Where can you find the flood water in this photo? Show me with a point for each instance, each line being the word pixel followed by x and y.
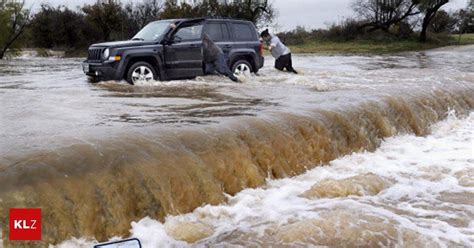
pixel 410 192
pixel 97 157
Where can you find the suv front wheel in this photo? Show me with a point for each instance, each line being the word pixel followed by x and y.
pixel 141 72
pixel 242 67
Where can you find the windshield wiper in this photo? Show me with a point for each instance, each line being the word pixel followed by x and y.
pixel 138 39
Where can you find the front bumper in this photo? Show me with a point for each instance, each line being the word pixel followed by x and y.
pixel 106 70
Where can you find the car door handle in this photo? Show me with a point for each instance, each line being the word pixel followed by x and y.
pixel 227 46
pixel 193 46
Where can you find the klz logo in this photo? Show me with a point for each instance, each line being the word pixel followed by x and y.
pixel 25 224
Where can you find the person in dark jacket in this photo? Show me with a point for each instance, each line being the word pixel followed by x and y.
pixel 214 59
pixel 279 51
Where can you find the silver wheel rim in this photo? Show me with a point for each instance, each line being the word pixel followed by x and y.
pixel 142 74
pixel 242 69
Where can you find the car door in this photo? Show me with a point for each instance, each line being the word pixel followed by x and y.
pixel 183 57
pixel 219 32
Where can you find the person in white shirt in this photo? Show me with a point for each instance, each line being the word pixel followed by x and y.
pixel 279 51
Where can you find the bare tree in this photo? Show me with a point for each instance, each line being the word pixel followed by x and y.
pixel 259 11
pixel 429 8
pixel 106 17
pixel 442 23
pixel 13 21
pixel 466 18
pixel 382 14
pixel 143 13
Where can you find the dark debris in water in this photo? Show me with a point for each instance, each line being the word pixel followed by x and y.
pixel 166 119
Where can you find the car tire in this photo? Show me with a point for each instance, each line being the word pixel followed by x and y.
pixel 93 80
pixel 141 71
pixel 242 67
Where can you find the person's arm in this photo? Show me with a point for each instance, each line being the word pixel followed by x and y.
pixel 266 43
pixel 273 43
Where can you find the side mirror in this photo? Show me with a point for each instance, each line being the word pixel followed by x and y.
pixel 172 40
pixel 176 39
pixel 128 243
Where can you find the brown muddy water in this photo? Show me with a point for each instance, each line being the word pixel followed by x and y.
pixel 96 157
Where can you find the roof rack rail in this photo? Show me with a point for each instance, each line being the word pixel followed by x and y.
pixel 224 18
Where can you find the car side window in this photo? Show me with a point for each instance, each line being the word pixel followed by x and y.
pixel 243 32
pixel 218 31
pixel 214 31
pixel 190 33
pixel 225 32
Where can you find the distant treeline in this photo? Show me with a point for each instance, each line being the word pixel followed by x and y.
pixel 59 27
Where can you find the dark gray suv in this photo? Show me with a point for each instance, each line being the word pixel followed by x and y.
pixel 171 49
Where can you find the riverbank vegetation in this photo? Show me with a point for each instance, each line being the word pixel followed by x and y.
pixel 380 43
pixel 367 46
pixel 380 27
pixel 464 39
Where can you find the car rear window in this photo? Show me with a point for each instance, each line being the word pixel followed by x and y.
pixel 218 31
pixel 244 32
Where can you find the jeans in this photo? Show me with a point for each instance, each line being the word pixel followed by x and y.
pixel 220 65
pixel 283 62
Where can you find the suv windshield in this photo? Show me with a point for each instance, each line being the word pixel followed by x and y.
pixel 152 31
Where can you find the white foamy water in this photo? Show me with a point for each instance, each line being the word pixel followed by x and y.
pixel 411 192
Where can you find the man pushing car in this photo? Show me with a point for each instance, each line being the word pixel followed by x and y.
pixel 279 51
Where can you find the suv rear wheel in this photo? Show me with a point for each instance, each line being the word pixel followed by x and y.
pixel 242 67
pixel 141 72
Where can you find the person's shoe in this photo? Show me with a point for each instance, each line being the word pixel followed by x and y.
pixel 234 78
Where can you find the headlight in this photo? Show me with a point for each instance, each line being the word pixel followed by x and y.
pixel 106 53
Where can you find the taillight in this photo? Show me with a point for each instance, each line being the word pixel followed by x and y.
pixel 261 48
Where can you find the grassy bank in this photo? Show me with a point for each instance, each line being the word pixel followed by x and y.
pixel 465 39
pixel 378 47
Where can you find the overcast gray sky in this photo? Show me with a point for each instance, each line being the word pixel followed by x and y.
pixel 308 13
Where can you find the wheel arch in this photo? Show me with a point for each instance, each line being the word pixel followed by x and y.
pixel 152 60
pixel 248 56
